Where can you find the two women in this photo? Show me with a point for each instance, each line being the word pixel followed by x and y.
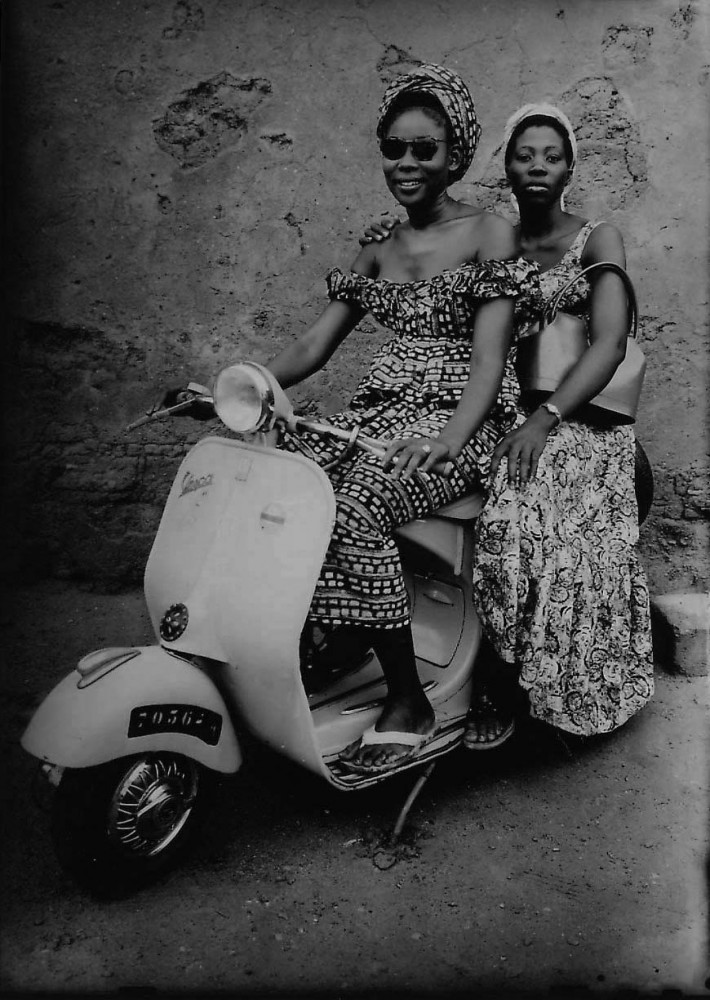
pixel 561 594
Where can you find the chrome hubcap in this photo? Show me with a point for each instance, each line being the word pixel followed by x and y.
pixel 152 804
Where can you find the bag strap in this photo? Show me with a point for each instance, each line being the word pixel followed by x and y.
pixel 553 305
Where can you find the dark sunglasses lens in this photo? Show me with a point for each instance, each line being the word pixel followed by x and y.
pixel 393 149
pixel 422 149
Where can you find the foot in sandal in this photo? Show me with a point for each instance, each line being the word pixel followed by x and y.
pixel 397 736
pixel 489 723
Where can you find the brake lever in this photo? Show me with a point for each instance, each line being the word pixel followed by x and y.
pixel 199 394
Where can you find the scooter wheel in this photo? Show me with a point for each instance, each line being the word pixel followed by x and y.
pixel 118 826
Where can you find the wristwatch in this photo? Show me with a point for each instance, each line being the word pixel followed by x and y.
pixel 551 408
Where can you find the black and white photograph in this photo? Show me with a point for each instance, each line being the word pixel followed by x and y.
pixel 355 584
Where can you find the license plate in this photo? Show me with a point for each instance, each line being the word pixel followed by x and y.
pixel 188 720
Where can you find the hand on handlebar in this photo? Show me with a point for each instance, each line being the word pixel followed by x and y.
pixel 193 401
pixel 423 455
pixel 199 406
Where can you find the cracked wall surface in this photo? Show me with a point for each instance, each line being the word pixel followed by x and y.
pixel 181 175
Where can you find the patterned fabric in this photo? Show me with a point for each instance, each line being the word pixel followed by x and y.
pixel 361 580
pixel 557 580
pixel 455 98
pixel 410 390
pixel 574 301
pixel 429 359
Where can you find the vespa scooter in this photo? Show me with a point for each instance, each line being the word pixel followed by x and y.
pixel 131 737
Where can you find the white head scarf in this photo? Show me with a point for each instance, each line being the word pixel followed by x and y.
pixel 548 111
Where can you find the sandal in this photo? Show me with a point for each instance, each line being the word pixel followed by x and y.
pixel 486 717
pixel 411 743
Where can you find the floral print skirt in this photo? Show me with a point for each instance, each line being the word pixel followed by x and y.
pixel 558 582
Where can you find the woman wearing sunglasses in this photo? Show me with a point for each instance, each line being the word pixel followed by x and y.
pixel 559 587
pixel 441 391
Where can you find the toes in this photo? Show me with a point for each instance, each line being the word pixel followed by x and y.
pixel 485 731
pixel 350 751
pixel 382 756
pixel 493 731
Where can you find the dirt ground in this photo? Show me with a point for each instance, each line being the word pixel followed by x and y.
pixel 545 864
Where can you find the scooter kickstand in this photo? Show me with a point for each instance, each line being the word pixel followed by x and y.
pixel 404 812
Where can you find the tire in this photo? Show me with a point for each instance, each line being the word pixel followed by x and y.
pixel 643 481
pixel 118 826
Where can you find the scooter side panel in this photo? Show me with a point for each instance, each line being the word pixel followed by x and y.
pixel 152 702
pixel 240 544
pixel 240 547
pixel 200 492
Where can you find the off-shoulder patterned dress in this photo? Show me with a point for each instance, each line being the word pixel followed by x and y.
pixel 557 578
pixel 412 386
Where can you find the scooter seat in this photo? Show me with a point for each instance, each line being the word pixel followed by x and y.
pixel 462 509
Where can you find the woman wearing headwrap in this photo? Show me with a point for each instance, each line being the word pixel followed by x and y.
pixel 559 587
pixel 557 577
pixel 441 391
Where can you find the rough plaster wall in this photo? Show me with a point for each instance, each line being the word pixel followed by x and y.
pixel 181 174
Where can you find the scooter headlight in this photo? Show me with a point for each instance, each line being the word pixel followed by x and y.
pixel 243 399
pixel 247 398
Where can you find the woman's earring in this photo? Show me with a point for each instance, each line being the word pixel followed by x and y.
pixel 454 158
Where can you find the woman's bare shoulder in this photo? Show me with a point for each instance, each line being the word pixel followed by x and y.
pixel 605 242
pixel 367 262
pixel 495 236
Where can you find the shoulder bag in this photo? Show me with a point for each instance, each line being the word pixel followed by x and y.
pixel 544 359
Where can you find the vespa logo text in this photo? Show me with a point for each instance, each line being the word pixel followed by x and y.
pixel 191 483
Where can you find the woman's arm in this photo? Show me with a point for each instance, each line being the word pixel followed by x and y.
pixel 491 338
pixel 312 350
pixel 608 330
pixel 492 334
pixel 608 324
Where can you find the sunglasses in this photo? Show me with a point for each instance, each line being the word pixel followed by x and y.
pixel 423 149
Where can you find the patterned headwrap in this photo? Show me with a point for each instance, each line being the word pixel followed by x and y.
pixel 548 111
pixel 455 98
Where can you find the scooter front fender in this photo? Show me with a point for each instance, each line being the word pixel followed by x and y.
pixel 135 700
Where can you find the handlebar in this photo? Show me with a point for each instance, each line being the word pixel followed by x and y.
pixel 355 439
pixel 198 394
pixel 362 441
pixel 352 439
pixel 166 411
